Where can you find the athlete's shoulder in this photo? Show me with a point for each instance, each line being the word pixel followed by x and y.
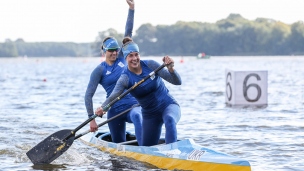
pixel 125 70
pixel 99 68
pixel 121 62
pixel 151 64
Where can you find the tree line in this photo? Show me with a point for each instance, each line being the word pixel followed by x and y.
pixel 233 36
pixel 43 49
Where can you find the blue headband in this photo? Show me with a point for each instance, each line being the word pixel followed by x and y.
pixel 129 48
pixel 111 43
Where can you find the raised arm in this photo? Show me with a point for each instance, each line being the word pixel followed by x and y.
pixel 129 23
pixel 91 89
pixel 130 19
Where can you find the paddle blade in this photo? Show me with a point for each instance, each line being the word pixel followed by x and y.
pixel 51 147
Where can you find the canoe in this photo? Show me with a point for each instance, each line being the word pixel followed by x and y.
pixel 181 155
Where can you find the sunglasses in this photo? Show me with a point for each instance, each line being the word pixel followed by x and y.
pixel 112 50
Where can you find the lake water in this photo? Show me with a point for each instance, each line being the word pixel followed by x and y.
pixel 40 96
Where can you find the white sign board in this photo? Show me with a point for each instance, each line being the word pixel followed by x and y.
pixel 246 87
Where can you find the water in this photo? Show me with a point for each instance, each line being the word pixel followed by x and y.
pixel 40 96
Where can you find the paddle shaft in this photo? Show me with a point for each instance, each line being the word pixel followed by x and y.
pixel 108 106
pixel 109 120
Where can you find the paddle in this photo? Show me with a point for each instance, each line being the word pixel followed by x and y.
pixel 54 145
pixel 107 121
pixel 36 158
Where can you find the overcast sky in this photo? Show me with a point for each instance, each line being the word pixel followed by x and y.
pixel 81 20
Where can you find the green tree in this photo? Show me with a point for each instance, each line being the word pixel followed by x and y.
pixel 296 38
pixel 8 49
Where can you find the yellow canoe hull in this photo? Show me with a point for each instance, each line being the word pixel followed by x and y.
pixel 173 156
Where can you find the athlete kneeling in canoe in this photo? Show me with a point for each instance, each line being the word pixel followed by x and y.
pixel 107 74
pixel 158 106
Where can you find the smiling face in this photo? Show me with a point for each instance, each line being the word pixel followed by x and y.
pixel 133 60
pixel 111 55
pixel 110 49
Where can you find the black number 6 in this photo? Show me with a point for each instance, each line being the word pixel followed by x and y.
pixel 245 88
pixel 228 85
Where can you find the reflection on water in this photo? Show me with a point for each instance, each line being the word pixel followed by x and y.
pixel 40 96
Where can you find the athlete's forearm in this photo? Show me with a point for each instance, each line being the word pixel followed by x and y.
pixel 129 23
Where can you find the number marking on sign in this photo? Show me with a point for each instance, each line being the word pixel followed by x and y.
pixel 228 85
pixel 246 87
